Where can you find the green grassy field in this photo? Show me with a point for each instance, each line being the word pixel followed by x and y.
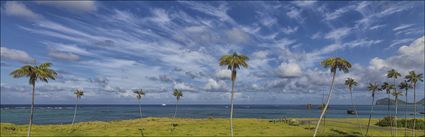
pixel 200 127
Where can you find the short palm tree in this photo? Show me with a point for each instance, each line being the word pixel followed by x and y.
pixel 42 72
pixel 139 93
pixel 178 94
pixel 350 83
pixel 396 95
pixel 233 62
pixel 334 64
pixel 79 93
pixel 406 86
pixel 412 77
pixel 374 88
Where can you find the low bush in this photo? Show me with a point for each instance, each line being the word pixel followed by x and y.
pixel 386 122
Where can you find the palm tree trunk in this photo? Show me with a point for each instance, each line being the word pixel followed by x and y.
pixel 414 109
pixel 395 116
pixel 75 111
pixel 32 110
pixel 355 110
pixel 140 108
pixel 326 106
pixel 389 113
pixel 370 115
pixel 405 116
pixel 175 112
pixel 231 108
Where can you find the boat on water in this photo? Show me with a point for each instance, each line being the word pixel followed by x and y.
pixel 351 112
pixel 164 105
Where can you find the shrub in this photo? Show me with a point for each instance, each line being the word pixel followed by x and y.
pixel 386 122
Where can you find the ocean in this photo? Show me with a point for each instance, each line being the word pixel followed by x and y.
pixel 62 114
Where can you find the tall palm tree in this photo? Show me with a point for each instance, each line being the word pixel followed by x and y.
pixel 233 62
pixel 393 74
pixel 78 93
pixel 178 94
pixel 334 64
pixel 388 87
pixel 413 78
pixel 350 83
pixel 41 72
pixel 374 88
pixel 406 86
pixel 396 95
pixel 139 93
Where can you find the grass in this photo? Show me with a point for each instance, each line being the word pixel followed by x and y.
pixel 199 127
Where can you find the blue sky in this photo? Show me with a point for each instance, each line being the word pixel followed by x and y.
pixel 110 48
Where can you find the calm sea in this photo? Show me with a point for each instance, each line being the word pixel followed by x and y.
pixel 61 114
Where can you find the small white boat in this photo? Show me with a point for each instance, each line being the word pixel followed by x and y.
pixel 164 104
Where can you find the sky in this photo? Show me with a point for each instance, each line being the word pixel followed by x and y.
pixel 110 48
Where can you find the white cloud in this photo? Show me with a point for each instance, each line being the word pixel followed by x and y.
pixel 260 54
pixel 305 3
pixel 111 63
pixel 316 35
pixel 295 14
pixel 15 8
pixel 184 86
pixel 215 85
pixel 362 43
pixel 160 16
pixel 337 34
pixel 79 6
pixel 237 36
pixel 17 55
pixel 377 27
pixel 337 13
pixel 223 73
pixel 401 27
pixel 63 55
pixel 289 30
pixel 289 70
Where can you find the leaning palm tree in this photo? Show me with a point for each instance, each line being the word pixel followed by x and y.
pixel 233 62
pixel 139 93
pixel 350 83
pixel 334 64
pixel 41 72
pixel 372 88
pixel 396 95
pixel 406 86
pixel 78 93
pixel 178 94
pixel 413 78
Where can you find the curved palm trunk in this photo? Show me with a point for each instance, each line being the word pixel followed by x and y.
pixel 370 115
pixel 355 110
pixel 405 116
pixel 231 108
pixel 395 116
pixel 140 108
pixel 75 111
pixel 414 109
pixel 326 106
pixel 32 110
pixel 175 112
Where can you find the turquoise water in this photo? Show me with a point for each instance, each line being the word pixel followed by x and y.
pixel 61 114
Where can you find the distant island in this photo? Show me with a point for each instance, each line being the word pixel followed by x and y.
pixel 384 101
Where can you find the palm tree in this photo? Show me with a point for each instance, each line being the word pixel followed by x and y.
pixel 396 95
pixel 388 87
pixel 393 74
pixel 77 93
pixel 334 64
pixel 413 78
pixel 34 73
pixel 139 94
pixel 177 93
pixel 406 86
pixel 373 88
pixel 350 82
pixel 233 62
